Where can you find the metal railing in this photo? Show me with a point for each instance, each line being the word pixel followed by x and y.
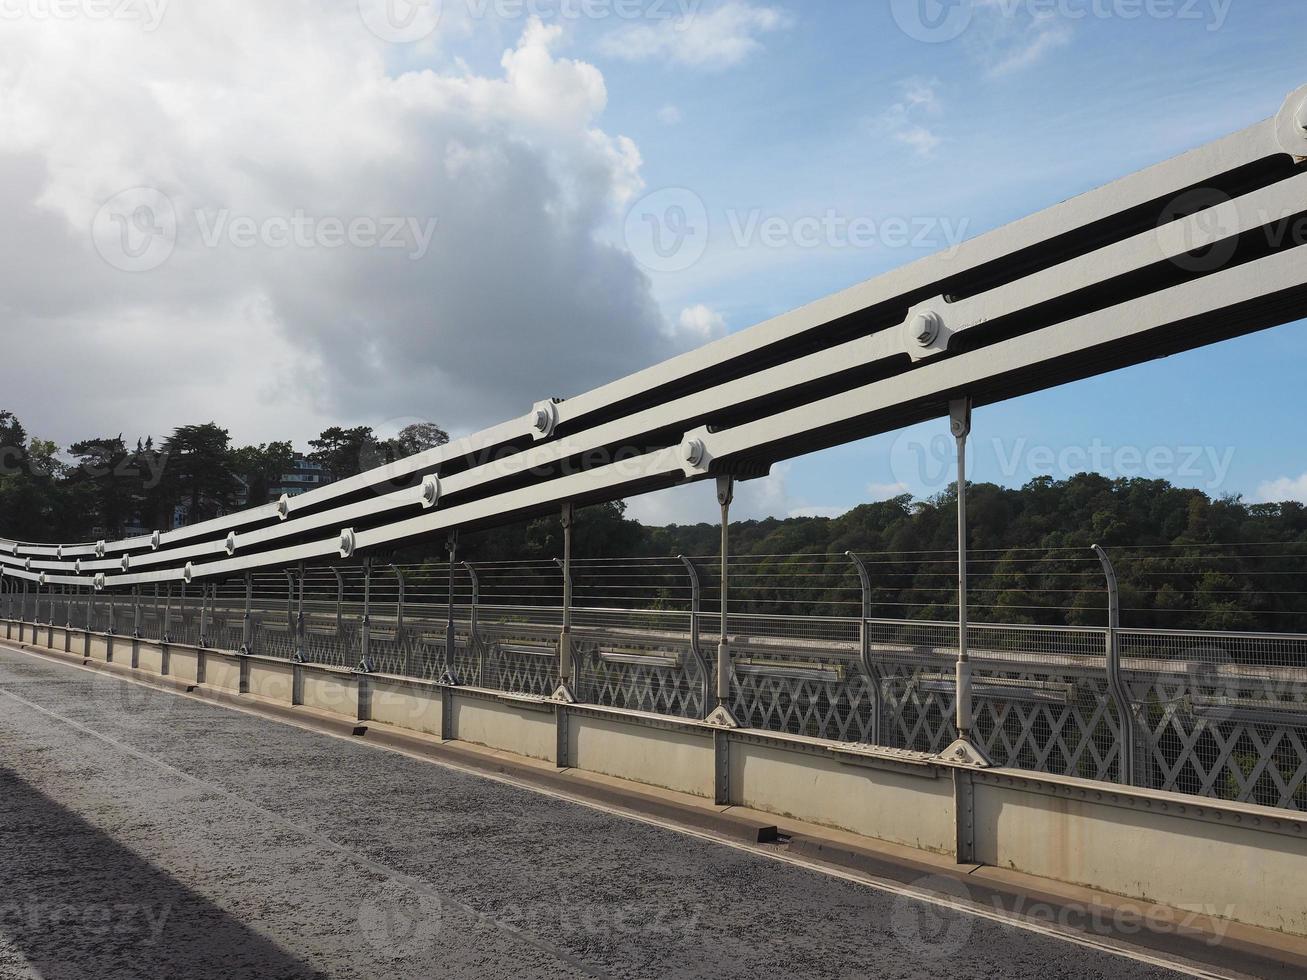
pixel 1215 714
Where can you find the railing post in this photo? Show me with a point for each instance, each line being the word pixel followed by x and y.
pixel 451 547
pixel 1115 681
pixel 696 648
pixel 247 621
pixel 299 619
pixel 136 612
pixel 166 632
pixel 874 677
pixel 340 610
pixel 365 631
pixel 111 624
pixel 204 613
pixel 565 680
pixel 400 642
pixel 473 617
pixel 721 715
pixel 964 749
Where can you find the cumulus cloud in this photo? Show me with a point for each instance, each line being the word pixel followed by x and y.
pixel 907 120
pixel 1007 38
pixel 715 39
pixel 887 491
pixel 253 119
pixel 1284 489
pixel 698 325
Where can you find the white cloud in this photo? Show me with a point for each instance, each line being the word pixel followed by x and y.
pixel 698 325
pixel 1284 489
pixel 1007 38
pixel 717 39
pixel 259 110
pixel 755 500
pixel 669 115
pixel 886 491
pixel 905 120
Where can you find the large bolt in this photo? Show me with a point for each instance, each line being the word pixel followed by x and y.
pixel 926 328
pixel 693 451
pixel 1301 117
pixel 542 421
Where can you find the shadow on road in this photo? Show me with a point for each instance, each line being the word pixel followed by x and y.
pixel 78 904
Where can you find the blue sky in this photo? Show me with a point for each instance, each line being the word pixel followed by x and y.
pixel 519 143
pixel 1015 124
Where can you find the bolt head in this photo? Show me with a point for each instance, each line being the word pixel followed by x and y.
pixel 926 328
pixel 1301 117
pixel 542 421
pixel 693 452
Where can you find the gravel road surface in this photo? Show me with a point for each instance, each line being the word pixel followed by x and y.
pixel 150 835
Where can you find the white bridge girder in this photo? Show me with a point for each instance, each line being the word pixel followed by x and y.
pixel 1204 247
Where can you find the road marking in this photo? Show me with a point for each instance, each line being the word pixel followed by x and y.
pixel 977 910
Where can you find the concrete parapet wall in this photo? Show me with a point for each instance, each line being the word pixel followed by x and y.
pixel 1228 860
pixel 671 756
pixel 520 725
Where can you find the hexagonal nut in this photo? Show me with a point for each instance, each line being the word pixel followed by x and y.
pixel 188 573
pixel 430 492
pixel 156 539
pixel 347 543
pixel 283 507
pixel 126 563
pixel 231 543
pixel 926 328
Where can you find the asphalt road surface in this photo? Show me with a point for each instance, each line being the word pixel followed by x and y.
pixel 146 834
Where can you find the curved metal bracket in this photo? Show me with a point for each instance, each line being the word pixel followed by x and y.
pixel 1115 681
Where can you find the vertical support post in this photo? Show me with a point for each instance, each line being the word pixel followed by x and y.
pixel 964 749
pixel 721 715
pixel 204 613
pixel 565 663
pixel 400 642
pixel 872 671
pixel 340 611
pixel 166 636
pixel 112 625
pixel 299 619
pixel 696 648
pixel 136 612
pixel 473 639
pixel 365 631
pixel 1115 680
pixel 451 547
pixel 247 621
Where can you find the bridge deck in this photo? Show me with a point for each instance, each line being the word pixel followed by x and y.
pixel 147 834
